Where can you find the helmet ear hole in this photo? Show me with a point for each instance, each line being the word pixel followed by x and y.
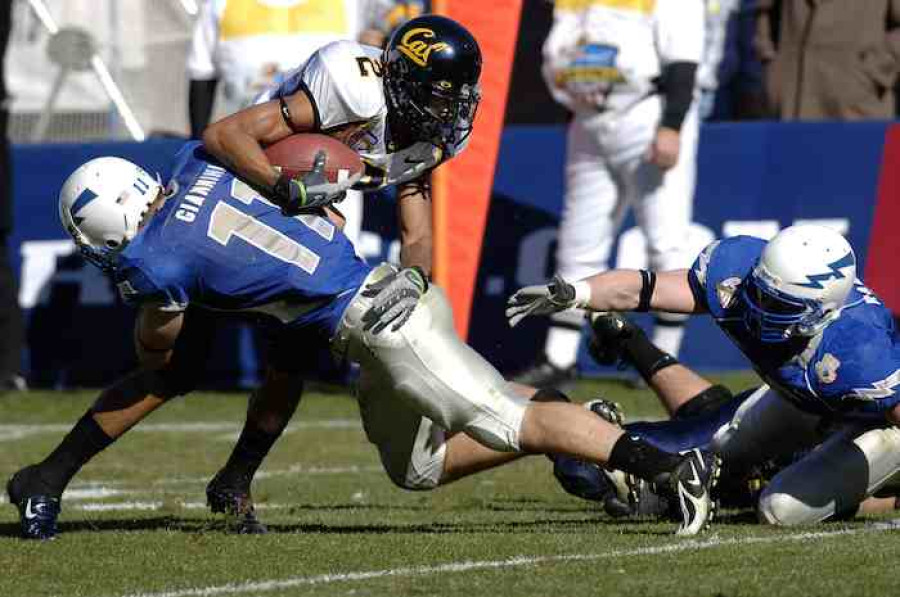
pixel 112 244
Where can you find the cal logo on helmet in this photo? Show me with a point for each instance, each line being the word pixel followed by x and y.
pixel 416 45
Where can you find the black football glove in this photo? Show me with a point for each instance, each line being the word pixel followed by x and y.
pixel 308 191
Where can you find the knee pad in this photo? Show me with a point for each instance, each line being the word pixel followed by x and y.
pixel 420 467
pixel 707 401
pixel 780 509
pixel 402 478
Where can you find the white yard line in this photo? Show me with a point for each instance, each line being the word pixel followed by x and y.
pixel 103 488
pixel 292 470
pixel 515 562
pixel 117 506
pixel 16 432
pixel 152 506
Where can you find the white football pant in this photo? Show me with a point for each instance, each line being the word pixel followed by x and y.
pixel 607 172
pixel 420 384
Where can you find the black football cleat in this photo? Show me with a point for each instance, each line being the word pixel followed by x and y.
pixel 690 485
pixel 37 511
pixel 608 331
pixel 236 505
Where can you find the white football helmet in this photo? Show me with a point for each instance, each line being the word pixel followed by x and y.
pixel 799 283
pixel 102 203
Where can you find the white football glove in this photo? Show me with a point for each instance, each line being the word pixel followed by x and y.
pixel 556 296
pixel 395 298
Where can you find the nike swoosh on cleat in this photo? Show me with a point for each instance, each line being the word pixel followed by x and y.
pixel 696 482
pixel 699 510
pixel 29 513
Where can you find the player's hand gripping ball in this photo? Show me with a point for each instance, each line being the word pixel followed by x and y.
pixel 316 170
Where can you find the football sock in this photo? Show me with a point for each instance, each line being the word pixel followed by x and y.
pixel 632 455
pixel 83 442
pixel 644 355
pixel 248 454
pixel 562 345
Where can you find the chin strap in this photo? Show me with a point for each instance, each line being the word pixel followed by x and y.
pixel 105 261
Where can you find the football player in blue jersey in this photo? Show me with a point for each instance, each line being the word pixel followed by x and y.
pixel 697 410
pixel 821 341
pixel 425 84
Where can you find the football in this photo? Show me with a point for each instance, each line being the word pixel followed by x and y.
pixel 295 156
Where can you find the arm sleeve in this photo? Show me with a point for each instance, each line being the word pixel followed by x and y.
pixel 201 95
pixel 201 56
pixel 677 87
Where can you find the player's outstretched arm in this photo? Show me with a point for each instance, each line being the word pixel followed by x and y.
pixel 414 215
pixel 616 290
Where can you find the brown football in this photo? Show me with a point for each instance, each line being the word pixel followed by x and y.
pixel 295 156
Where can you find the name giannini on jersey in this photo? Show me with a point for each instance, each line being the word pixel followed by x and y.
pixel 197 194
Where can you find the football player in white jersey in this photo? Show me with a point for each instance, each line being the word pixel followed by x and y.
pixel 406 111
pixel 626 71
pixel 249 46
pixel 404 115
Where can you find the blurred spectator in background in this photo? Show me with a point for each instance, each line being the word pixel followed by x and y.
pixel 730 74
pixel 250 44
pixel 10 314
pixel 829 60
pixel 627 72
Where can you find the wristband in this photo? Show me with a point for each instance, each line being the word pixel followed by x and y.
pixel 648 285
pixel 582 294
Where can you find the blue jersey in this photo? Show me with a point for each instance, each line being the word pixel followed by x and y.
pixel 851 366
pixel 218 244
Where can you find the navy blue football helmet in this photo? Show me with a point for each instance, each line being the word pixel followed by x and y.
pixel 431 70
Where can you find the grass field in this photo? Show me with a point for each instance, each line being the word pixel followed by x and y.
pixel 135 523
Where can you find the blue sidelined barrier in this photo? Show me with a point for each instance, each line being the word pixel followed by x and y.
pixel 753 178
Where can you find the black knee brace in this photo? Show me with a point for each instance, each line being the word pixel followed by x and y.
pixel 549 395
pixel 706 401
